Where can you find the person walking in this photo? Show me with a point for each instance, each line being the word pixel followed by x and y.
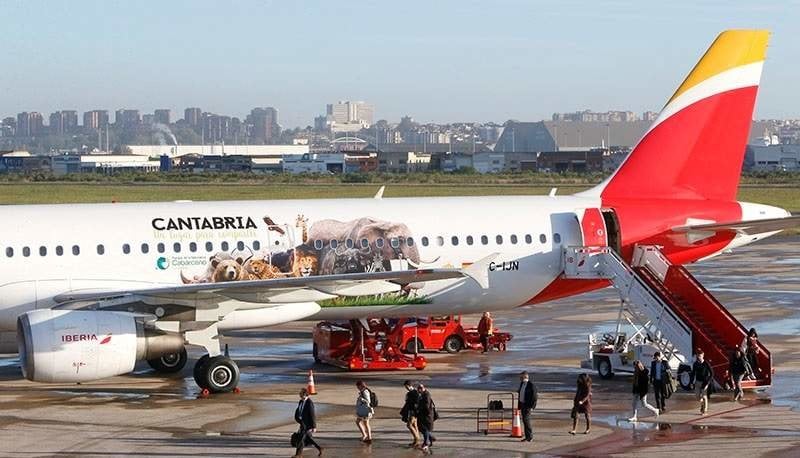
pixel 307 418
pixel 528 397
pixel 364 411
pixel 703 377
pixel 737 369
pixel 409 413
pixel 582 403
pixel 659 377
pixel 486 330
pixel 641 385
pixel 750 347
pixel 426 417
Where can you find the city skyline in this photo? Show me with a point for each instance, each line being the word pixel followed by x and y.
pixel 444 62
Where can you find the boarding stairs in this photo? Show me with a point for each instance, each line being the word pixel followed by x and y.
pixel 677 312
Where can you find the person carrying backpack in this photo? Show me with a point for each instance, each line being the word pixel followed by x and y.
pixel 365 408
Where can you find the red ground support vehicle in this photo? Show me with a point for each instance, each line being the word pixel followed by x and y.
pixel 363 346
pixel 446 333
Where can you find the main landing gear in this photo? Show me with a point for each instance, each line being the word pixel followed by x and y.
pixel 169 363
pixel 217 374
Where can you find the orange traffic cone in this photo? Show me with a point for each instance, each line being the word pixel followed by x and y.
pixel 310 387
pixel 516 424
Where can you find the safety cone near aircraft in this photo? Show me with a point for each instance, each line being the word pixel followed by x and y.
pixel 312 389
pixel 516 424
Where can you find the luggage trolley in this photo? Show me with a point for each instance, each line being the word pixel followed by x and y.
pixel 496 417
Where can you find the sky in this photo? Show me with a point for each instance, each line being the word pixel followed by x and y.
pixel 438 61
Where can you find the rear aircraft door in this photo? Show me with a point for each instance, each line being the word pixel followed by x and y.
pixel 593 227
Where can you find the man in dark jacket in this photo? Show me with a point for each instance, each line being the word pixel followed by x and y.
pixel 307 418
pixel 737 369
pixel 486 330
pixel 409 412
pixel 426 416
pixel 703 378
pixel 659 377
pixel 528 397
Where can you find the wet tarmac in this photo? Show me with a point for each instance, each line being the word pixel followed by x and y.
pixel 147 415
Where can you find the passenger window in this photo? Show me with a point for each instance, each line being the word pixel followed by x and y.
pixel 410 241
pixel 209 247
pixel 192 247
pixel 364 243
pixel 126 248
pixel 76 250
pixel 59 250
pixel 470 240
pixel 240 245
pixel 101 249
pixel 145 248
pixel 484 240
pixel 440 240
pixel 557 237
pixel 223 246
pixel 543 238
pixel 424 241
pixel 379 243
pixel 176 247
pixel 256 245
pixel 513 239
pixel 528 239
pixel 9 252
pixel 161 248
pixel 42 251
pixel 348 243
pixel 454 240
pixel 395 243
pixel 26 251
pixel 334 243
pixel 499 239
pixel 318 244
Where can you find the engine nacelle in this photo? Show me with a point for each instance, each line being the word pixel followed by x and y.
pixel 79 346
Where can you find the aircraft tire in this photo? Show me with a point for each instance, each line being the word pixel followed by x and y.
pixel 169 363
pixel 199 368
pixel 220 374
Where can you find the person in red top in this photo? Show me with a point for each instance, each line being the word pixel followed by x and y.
pixel 485 330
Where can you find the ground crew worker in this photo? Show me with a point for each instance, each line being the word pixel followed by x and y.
pixel 486 330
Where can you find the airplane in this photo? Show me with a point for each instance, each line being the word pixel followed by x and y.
pixel 89 290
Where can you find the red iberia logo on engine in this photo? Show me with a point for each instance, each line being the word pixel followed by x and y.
pixel 84 338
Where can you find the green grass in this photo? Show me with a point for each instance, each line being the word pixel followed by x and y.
pixel 386 299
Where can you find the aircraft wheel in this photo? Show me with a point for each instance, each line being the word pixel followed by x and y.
pixel 414 346
pixel 169 363
pixel 199 368
pixel 604 369
pixel 453 344
pixel 220 375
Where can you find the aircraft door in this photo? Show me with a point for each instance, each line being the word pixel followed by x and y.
pixel 593 228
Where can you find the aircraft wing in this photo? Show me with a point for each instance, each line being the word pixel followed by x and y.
pixel 751 227
pixel 277 290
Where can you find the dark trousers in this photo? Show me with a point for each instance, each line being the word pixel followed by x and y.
pixel 660 390
pixel 306 439
pixel 485 342
pixel 526 421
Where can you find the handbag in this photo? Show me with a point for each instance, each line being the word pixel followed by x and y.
pixel 295 440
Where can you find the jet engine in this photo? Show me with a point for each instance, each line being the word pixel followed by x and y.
pixel 78 346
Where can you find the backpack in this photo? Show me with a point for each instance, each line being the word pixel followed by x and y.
pixel 373 398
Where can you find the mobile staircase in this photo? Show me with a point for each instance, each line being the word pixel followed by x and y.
pixel 675 310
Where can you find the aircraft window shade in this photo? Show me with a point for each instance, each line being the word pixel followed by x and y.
pixel 334 243
pixel 126 249
pixel 364 243
pixel 9 252
pixel 76 250
pixel 26 251
pixel 395 243
pixel 470 240
pixel 513 239
pixel 256 245
pixel 101 250
pixel 176 247
pixel 557 237
pixel 379 243
pixel 145 248
pixel 454 240
pixel 42 251
pixel 484 240
pixel 543 238
pixel 161 248
pixel 318 244
pixel 499 239
pixel 348 243
pixel 240 245
pixel 192 247
pixel 424 241
pixel 59 250
pixel 528 239
pixel 439 240
pixel 410 241
pixel 223 246
pixel 209 247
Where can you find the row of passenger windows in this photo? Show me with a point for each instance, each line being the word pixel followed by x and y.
pixel 193 247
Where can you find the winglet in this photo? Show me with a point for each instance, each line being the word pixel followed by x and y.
pixel 479 270
pixel 379 194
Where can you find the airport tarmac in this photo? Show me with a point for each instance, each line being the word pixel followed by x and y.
pixel 147 415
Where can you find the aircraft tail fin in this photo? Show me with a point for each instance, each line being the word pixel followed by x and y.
pixel 695 148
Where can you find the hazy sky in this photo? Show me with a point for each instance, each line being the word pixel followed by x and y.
pixel 435 60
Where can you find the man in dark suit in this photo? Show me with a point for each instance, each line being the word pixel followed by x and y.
pixel 307 418
pixel 528 396
pixel 659 378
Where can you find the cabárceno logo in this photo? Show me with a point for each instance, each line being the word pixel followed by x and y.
pixel 162 263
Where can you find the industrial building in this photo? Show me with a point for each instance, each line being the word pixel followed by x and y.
pixel 768 158
pixel 216 150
